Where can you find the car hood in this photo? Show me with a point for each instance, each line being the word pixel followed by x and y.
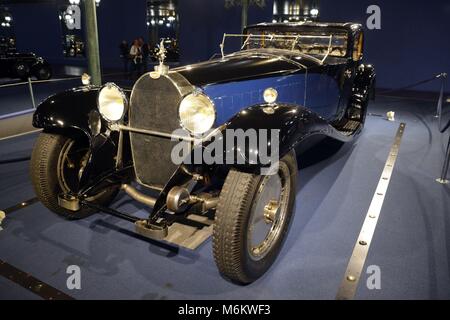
pixel 246 65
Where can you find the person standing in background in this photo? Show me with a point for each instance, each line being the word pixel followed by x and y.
pixel 124 56
pixel 136 59
pixel 145 53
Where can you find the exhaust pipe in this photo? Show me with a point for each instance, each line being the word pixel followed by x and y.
pixel 176 198
pixel 138 196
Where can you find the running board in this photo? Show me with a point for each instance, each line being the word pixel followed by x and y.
pixel 349 128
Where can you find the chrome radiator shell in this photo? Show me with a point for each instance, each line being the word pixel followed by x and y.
pixel 154 106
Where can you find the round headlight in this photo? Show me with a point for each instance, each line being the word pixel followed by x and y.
pixel 197 113
pixel 112 103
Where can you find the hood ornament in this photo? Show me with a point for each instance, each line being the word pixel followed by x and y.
pixel 160 69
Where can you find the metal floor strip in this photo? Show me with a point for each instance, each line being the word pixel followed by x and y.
pixel 32 284
pixel 356 263
pixel 21 205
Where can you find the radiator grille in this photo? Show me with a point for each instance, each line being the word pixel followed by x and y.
pixel 154 106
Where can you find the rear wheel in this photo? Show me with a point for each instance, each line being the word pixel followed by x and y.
pixel 43 73
pixel 252 220
pixel 57 163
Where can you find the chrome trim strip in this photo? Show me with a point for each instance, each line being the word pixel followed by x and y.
pixel 349 284
pixel 152 133
pixel 120 127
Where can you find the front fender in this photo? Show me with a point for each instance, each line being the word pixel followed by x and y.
pixel 74 110
pixel 292 125
pixel 74 113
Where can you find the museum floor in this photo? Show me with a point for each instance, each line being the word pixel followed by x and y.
pixel 411 244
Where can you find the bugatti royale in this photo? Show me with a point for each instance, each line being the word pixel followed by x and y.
pixel 302 82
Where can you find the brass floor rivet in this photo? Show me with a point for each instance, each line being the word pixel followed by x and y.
pixel 363 243
pixel 351 278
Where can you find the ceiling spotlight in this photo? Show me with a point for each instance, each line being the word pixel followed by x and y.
pixel 168 25
pixel 314 12
pixel 7 18
pixel 148 23
pixel 171 18
pixel 153 22
pixel 3 24
pixel 274 21
pixel 161 22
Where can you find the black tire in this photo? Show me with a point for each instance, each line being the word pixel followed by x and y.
pixel 231 227
pixel 46 181
pixel 43 73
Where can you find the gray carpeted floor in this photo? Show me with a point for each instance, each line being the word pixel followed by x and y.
pixel 411 244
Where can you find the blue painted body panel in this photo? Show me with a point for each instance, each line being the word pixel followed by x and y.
pixel 318 92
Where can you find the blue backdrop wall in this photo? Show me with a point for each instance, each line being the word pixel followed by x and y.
pixel 412 44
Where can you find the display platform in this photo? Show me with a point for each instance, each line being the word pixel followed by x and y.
pixel 411 244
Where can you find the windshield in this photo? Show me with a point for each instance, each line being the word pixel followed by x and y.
pixel 323 45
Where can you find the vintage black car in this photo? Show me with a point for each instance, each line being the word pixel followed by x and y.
pixel 23 65
pixel 288 88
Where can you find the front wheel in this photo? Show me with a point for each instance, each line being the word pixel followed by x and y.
pixel 252 220
pixel 57 163
pixel 21 70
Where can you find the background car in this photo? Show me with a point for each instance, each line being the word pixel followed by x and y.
pixel 23 65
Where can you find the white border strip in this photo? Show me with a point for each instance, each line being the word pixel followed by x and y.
pixel 355 266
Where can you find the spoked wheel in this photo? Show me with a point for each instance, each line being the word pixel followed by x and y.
pixel 57 164
pixel 252 219
pixel 22 70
